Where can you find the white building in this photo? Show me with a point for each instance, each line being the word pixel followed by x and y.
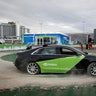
pixel 11 31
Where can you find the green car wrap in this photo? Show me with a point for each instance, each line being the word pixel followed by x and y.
pixel 59 65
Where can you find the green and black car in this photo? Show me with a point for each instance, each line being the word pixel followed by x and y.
pixel 55 59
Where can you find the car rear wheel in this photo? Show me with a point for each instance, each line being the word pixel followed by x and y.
pixel 91 70
pixel 33 68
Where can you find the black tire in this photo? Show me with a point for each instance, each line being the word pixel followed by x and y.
pixel 32 68
pixel 91 70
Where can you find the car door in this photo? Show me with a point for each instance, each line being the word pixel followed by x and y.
pixel 68 59
pixel 48 60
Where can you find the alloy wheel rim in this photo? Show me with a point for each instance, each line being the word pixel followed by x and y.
pixel 32 68
pixel 93 69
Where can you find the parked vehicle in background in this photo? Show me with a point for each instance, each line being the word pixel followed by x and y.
pixel 2 41
pixel 55 59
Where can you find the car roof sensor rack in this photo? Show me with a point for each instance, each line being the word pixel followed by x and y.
pixel 45 45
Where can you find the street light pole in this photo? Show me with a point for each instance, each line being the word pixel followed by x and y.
pixel 41 27
pixel 84 26
pixel 84 31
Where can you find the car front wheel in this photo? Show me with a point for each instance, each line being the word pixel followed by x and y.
pixel 33 68
pixel 91 70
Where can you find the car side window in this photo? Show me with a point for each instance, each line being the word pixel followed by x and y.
pixel 47 51
pixel 67 51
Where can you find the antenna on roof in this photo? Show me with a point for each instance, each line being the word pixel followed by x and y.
pixel 45 45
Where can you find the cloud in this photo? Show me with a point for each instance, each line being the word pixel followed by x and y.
pixel 55 15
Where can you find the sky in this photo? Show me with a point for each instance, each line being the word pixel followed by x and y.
pixel 66 16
